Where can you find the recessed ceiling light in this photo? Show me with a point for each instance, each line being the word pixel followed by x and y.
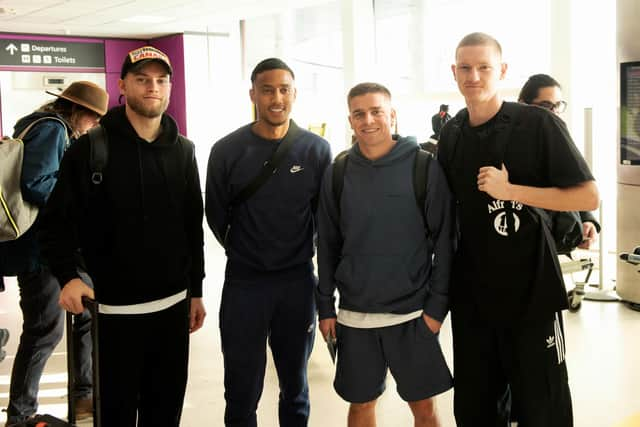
pixel 146 19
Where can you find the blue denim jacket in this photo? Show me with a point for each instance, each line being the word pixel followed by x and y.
pixel 44 146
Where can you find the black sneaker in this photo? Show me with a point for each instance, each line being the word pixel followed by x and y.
pixel 20 421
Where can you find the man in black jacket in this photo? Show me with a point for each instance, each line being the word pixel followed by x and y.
pixel 139 233
pixel 439 119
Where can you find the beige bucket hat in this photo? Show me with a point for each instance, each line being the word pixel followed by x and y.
pixel 86 94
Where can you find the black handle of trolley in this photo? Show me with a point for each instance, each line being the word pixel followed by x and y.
pixel 91 305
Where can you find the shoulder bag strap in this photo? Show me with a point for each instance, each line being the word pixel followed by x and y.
pixel 504 126
pixel 505 123
pixel 270 167
pixel 26 130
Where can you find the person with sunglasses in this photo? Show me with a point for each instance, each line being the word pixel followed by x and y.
pixel 544 91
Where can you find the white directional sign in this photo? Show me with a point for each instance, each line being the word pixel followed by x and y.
pixel 51 53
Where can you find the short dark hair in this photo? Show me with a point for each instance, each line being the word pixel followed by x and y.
pixel 479 39
pixel 530 90
pixel 365 88
pixel 268 65
pixel 444 107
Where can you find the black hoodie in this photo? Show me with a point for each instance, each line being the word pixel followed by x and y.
pixel 140 231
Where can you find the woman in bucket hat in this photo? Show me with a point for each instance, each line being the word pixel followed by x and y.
pixel 53 127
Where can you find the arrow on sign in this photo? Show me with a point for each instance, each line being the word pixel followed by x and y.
pixel 12 49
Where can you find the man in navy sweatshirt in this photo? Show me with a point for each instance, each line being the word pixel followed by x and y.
pixel 390 260
pixel 268 239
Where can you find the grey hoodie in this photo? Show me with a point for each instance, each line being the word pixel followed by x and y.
pixel 378 255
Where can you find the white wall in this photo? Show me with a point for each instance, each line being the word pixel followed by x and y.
pixel 22 92
pixel 217 97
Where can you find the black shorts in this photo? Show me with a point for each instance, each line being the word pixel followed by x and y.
pixel 410 350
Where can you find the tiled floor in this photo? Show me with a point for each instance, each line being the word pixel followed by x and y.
pixel 603 352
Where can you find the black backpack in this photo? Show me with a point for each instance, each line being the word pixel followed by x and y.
pixel 98 152
pixel 420 174
pixel 565 227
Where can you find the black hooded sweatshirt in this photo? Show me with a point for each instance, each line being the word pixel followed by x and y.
pixel 139 232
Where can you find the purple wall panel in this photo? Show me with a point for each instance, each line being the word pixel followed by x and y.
pixel 111 80
pixel 174 47
pixel 114 52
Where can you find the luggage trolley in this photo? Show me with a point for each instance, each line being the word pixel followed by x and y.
pixel 580 292
pixel 92 306
pixel 629 289
pixel 51 421
pixel 577 294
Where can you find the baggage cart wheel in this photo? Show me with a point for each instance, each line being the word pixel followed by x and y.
pixel 575 301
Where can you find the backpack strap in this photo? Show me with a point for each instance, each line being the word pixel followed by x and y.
pixel 454 130
pixel 505 122
pixel 98 153
pixel 270 167
pixel 420 177
pixel 337 177
pixel 26 130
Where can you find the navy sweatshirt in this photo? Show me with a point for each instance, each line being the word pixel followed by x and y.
pixel 376 252
pixel 269 236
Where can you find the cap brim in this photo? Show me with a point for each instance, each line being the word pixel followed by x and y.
pixel 138 65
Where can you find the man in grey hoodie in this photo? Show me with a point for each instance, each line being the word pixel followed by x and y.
pixel 390 260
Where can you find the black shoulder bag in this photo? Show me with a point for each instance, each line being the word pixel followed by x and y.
pixel 565 227
pixel 270 167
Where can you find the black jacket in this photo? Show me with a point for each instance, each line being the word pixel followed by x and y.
pixel 508 276
pixel 140 231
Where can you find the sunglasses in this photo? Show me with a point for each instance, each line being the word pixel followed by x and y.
pixel 558 107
